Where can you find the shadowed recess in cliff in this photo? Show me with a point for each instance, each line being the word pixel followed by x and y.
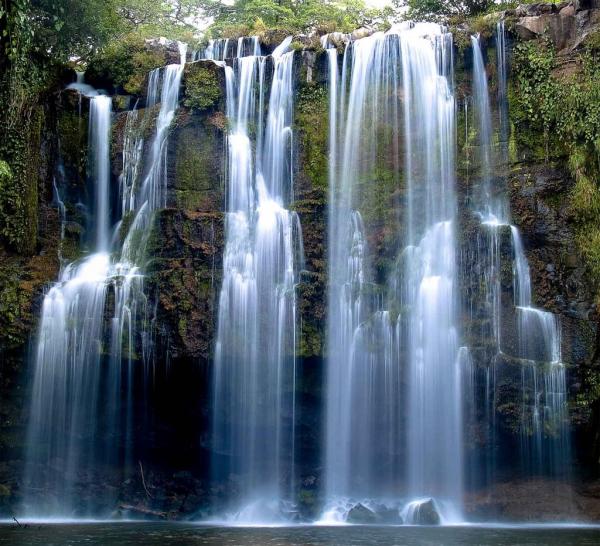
pixel 80 414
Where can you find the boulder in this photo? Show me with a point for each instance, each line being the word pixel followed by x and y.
pixel 426 514
pixel 362 32
pixel 389 516
pixel 360 514
pixel 338 39
pixel 560 27
pixel 567 11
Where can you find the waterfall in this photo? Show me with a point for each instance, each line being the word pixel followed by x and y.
pixel 224 48
pixel 375 342
pixel 254 375
pixel 502 68
pixel 404 381
pixel 67 382
pixel 100 120
pixel 79 419
pixel 544 417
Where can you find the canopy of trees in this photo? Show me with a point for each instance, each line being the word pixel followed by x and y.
pixel 441 10
pixel 299 16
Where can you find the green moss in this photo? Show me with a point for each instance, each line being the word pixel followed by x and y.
pixel 191 164
pixel 196 183
pixel 11 303
pixel 556 112
pixel 592 41
pixel 312 122
pixel 19 195
pixel 202 88
pixel 126 222
pixel 72 130
pixel 189 199
pixel 125 63
pixel 461 39
pixel 483 25
pixel 308 502
pixel 6 175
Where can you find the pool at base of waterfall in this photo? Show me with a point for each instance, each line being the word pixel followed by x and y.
pixel 149 534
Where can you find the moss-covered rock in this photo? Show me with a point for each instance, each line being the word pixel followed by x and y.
pixel 184 275
pixel 312 126
pixel 196 161
pixel 203 88
pixel 19 184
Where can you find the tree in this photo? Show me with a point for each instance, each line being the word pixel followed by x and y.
pixel 66 28
pixel 294 16
pixel 440 10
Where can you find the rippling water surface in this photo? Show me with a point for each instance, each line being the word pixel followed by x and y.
pixel 149 534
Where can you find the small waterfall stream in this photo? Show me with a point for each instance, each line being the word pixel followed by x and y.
pixel 79 418
pixel 544 419
pixel 67 385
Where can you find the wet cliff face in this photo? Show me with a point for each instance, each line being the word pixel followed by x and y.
pixel 184 272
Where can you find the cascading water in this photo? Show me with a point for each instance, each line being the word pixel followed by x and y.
pixel 78 416
pixel 253 428
pixel 400 384
pixel 225 48
pixel 435 459
pixel 67 384
pixel 544 418
pixel 374 343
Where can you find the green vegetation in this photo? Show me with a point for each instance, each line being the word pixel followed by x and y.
pixel 247 17
pixel 312 123
pixel 125 64
pixel 442 10
pixel 563 104
pixel 202 88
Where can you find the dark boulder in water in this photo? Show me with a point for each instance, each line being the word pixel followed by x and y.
pixel 359 513
pixel 426 514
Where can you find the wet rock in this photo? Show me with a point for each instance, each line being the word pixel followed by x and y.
pixel 308 505
pixel 360 514
pixel 390 516
pixel 529 10
pixel 338 39
pixel 554 501
pixel 185 273
pixel 426 514
pixel 567 11
pixel 309 59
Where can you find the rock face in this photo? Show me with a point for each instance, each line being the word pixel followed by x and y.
pixel 565 23
pixel 184 273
